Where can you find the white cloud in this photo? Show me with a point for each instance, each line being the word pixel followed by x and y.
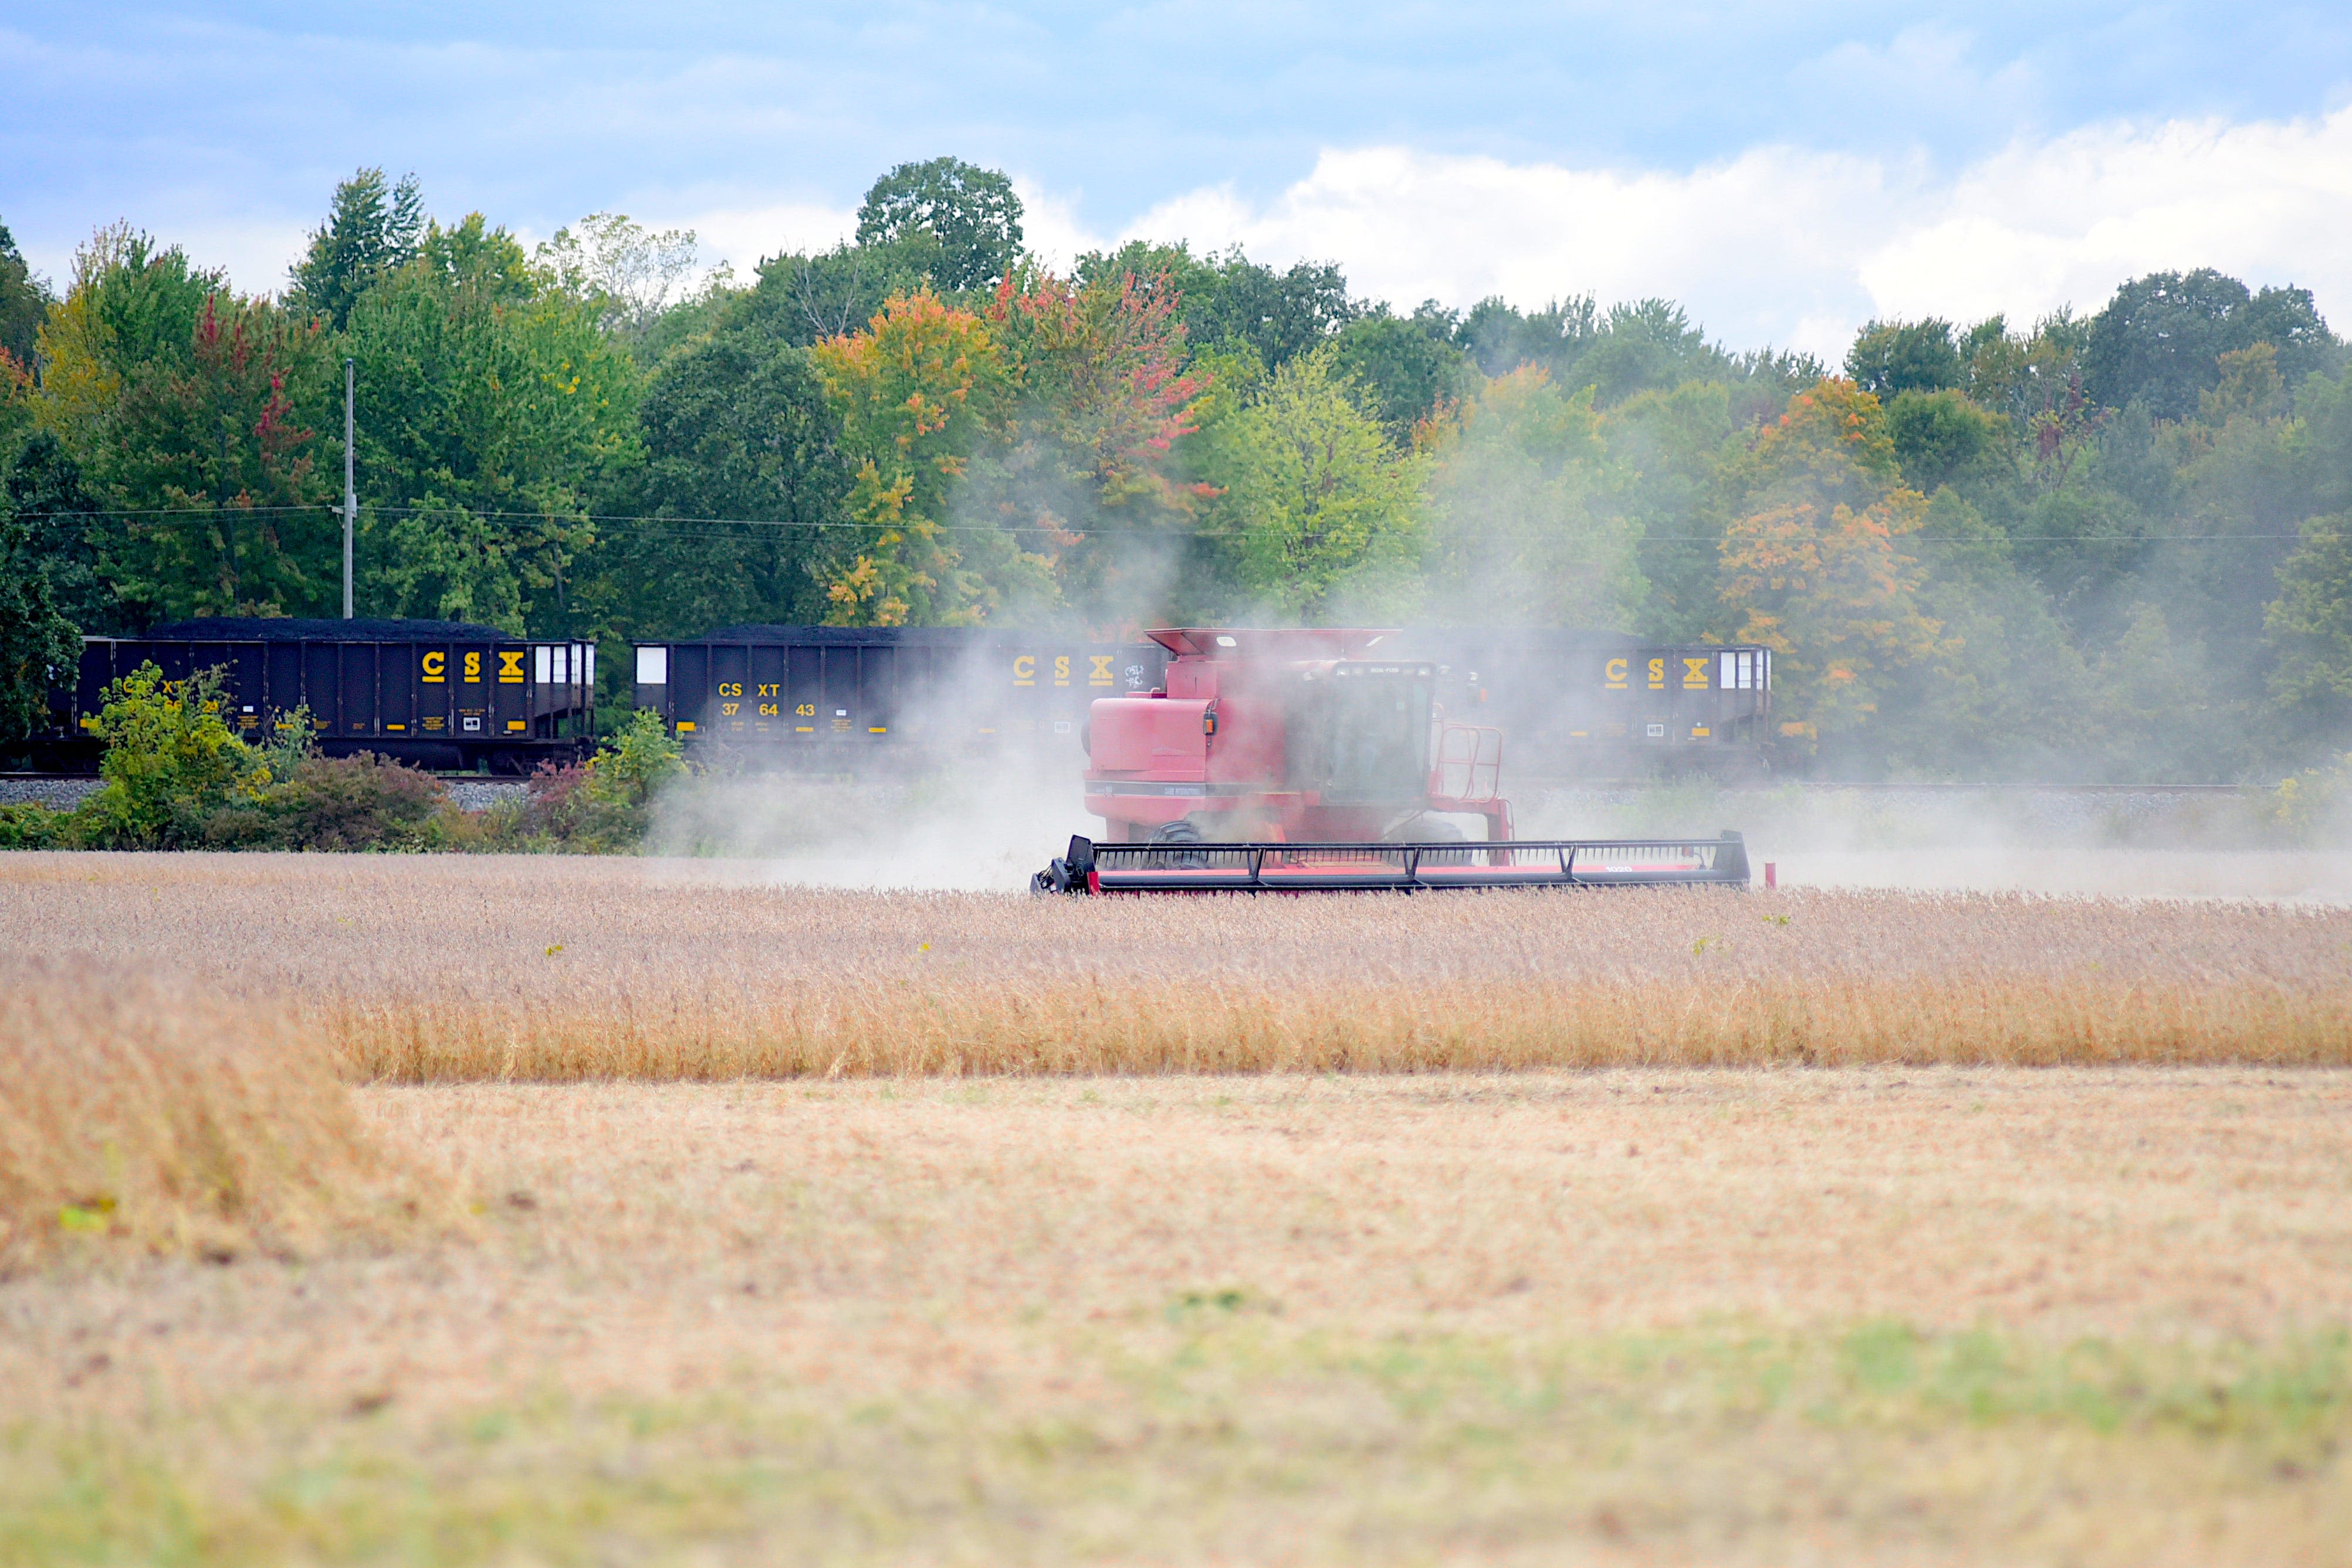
pixel 743 238
pixel 1796 247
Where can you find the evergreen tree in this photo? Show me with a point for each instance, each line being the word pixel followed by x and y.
pixel 373 228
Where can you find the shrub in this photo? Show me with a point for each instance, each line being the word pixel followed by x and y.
pixel 32 826
pixel 605 805
pixel 364 802
pixel 170 763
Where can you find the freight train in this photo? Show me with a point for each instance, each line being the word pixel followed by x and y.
pixel 437 694
pixel 1570 703
pixel 453 695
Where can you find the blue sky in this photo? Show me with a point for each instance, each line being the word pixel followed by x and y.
pixel 1786 169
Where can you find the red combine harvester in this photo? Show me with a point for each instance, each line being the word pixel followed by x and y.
pixel 1303 761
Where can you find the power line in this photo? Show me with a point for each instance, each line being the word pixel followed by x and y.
pixel 687 527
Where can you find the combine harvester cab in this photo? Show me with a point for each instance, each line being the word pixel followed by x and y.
pixel 1304 761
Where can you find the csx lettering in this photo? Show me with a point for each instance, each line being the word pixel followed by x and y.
pixel 1061 669
pixel 510 666
pixel 473 666
pixel 731 688
pixel 436 667
pixel 1695 673
pixel 1657 675
pixel 770 691
pixel 1024 670
pixel 1101 676
pixel 1615 672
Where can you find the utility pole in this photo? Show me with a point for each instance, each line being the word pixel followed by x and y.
pixel 351 495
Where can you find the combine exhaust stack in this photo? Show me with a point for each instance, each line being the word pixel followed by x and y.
pixel 1093 868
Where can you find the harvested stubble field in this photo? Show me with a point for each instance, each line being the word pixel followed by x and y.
pixel 991 1303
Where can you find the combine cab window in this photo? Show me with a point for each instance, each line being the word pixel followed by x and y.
pixel 1365 734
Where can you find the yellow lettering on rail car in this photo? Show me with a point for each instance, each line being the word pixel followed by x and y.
pixel 729 710
pixel 806 710
pixel 1657 675
pixel 767 710
pixel 731 688
pixel 1024 670
pixel 1101 675
pixel 768 690
pixel 473 666
pixel 1615 673
pixel 510 666
pixel 1061 669
pixel 1695 673
pixel 435 665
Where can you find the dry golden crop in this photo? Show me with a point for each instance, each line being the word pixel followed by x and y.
pixel 157 1112
pixel 558 970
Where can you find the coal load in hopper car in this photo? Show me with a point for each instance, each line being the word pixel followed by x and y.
pixel 433 694
pixel 1312 760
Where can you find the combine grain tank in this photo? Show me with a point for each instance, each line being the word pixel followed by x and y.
pixel 842 698
pixel 435 694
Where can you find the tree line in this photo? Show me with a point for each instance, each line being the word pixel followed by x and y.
pixel 2111 545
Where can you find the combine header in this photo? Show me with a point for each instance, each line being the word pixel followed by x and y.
pixel 1300 761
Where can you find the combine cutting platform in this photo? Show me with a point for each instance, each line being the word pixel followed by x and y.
pixel 1093 868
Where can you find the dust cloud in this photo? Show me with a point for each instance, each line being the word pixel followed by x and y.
pixel 2153 842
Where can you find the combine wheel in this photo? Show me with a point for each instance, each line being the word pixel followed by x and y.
pixel 1183 833
pixel 1420 830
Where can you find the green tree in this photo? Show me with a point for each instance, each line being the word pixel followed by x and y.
pixel 212 453
pixel 2288 319
pixel 24 302
pixel 371 229
pixel 38 647
pixel 1528 525
pixel 2310 625
pixel 1407 366
pixel 1943 438
pixel 1669 448
pixel 1320 513
pixel 744 467
pixel 65 527
pixel 189 413
pixel 2161 338
pixel 1229 300
pixel 971 211
pixel 130 303
pixel 487 422
pixel 1891 357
